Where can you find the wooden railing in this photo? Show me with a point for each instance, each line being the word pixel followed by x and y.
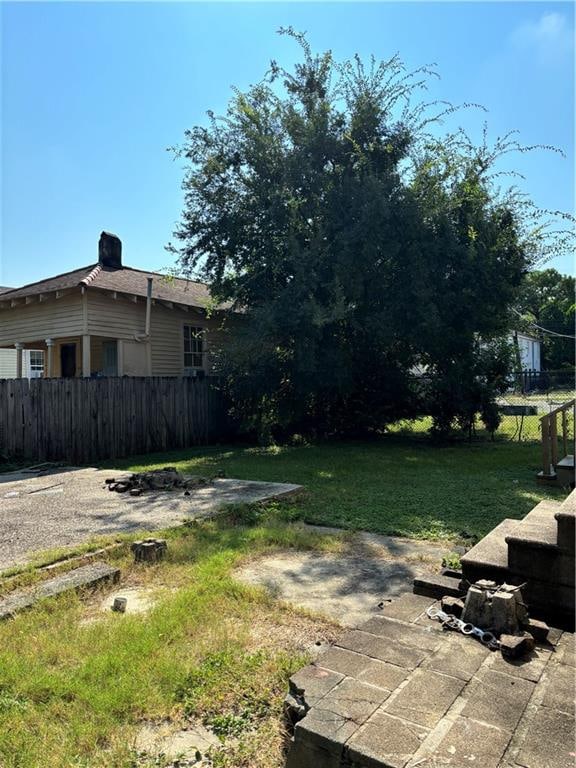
pixel 553 442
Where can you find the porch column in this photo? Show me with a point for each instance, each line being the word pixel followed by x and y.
pixel 120 357
pixel 49 360
pixel 86 357
pixel 19 347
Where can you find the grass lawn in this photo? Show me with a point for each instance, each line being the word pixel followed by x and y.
pixel 397 485
pixel 76 683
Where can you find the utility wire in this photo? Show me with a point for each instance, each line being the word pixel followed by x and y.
pixel 540 328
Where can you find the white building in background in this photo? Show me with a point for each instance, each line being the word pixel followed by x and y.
pixel 529 351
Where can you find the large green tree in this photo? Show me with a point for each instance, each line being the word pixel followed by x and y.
pixel 356 245
pixel 546 307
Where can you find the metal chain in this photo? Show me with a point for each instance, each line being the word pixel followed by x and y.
pixel 451 622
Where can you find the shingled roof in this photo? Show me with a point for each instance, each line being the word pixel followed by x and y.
pixel 122 280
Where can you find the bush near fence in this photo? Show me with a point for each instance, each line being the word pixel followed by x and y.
pixel 87 420
pixel 530 396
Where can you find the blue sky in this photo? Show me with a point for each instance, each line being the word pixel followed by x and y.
pixel 94 93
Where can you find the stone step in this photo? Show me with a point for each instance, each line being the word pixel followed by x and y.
pixel 565 471
pixel 533 551
pixel 437 586
pixel 538 529
pixel 489 558
pixel 566 522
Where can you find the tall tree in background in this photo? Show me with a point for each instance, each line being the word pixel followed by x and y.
pixel 356 245
pixel 547 301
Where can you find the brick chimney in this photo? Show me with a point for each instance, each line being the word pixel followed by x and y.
pixel 110 251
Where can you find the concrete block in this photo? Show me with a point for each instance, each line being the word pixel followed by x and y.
pixel 498 699
pixel 477 609
pixel 516 646
pixel 538 629
pixel 549 742
pixel 408 607
pixel 312 683
pixel 344 662
pixel 437 586
pixel 457 658
pixel 353 700
pixel 504 618
pixel 452 605
pixel 426 697
pixel 412 635
pixel 382 649
pixel 383 675
pixel 560 688
pixel 469 743
pixel 326 731
pixel 384 741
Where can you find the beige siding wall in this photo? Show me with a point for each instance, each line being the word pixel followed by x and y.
pixel 113 318
pixel 39 320
pixel 104 317
pixel 167 331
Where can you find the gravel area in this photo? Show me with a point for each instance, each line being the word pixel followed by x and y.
pixel 68 506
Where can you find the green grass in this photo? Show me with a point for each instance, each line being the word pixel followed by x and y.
pixel 397 485
pixel 74 693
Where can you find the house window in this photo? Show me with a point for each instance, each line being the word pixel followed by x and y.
pixel 36 363
pixel 193 346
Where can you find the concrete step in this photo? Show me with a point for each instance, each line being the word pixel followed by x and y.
pixel 489 558
pixel 533 551
pixel 566 522
pixel 565 471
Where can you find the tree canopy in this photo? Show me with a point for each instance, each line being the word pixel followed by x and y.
pixel 360 245
pixel 547 310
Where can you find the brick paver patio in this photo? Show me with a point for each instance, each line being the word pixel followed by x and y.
pixel 399 692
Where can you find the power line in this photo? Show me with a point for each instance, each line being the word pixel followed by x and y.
pixel 540 328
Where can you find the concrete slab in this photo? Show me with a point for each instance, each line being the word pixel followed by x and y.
pixel 549 742
pixel 498 699
pixel 426 697
pixel 79 578
pixel 68 506
pixel 348 586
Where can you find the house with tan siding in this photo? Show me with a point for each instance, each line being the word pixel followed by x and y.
pixel 106 319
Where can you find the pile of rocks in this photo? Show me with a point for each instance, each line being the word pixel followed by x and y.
pixel 165 479
pixel 499 609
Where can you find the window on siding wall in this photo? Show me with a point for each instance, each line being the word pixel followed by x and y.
pixel 36 363
pixel 193 346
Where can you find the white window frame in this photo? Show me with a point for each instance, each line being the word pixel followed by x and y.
pixel 194 346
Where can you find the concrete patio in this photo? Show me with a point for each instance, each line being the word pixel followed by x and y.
pixel 68 506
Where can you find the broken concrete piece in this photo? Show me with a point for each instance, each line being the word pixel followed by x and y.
pixel 504 618
pixel 119 604
pixel 477 609
pixel 515 646
pixel 538 629
pixel 453 605
pixel 486 584
pixel 149 550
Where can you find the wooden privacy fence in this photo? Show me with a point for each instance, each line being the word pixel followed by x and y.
pixel 85 420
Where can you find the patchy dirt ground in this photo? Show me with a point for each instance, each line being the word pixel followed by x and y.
pixel 68 506
pixel 348 586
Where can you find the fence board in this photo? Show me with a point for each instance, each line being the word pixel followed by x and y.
pixel 87 420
